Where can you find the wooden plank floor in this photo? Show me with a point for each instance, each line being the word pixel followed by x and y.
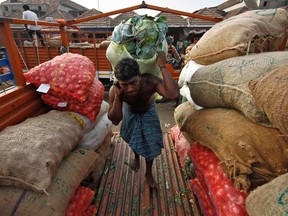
pixel 123 191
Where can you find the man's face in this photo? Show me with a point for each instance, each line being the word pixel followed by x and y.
pixel 131 87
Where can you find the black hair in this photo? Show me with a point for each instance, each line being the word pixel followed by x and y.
pixel 126 68
pixel 26 7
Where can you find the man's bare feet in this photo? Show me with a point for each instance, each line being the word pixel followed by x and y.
pixel 136 164
pixel 151 181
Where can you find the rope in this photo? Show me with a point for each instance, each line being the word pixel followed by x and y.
pixel 248 48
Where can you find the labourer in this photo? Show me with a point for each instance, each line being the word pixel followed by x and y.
pixel 32 29
pixel 173 56
pixel 132 100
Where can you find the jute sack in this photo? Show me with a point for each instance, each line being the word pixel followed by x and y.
pixel 181 112
pixel 74 168
pixel 103 151
pixel 250 154
pixel 225 83
pixel 250 32
pixel 32 151
pixel 54 41
pixel 269 199
pixel 271 96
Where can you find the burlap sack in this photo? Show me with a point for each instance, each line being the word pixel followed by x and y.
pixel 269 199
pixel 225 84
pixel 250 154
pixel 250 32
pixel 180 115
pixel 74 168
pixel 181 112
pixel 32 151
pixel 103 151
pixel 54 41
pixel 271 96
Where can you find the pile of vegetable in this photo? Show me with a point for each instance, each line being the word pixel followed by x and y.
pixel 69 75
pixel 89 108
pixel 72 84
pixel 81 203
pixel 141 35
pixel 225 198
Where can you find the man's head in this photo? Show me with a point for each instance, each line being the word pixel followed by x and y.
pixel 25 7
pixel 128 75
pixel 126 68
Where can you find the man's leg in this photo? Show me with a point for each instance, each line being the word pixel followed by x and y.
pixel 30 34
pixel 149 176
pixel 39 35
pixel 136 162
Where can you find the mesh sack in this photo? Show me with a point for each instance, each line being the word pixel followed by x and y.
pixel 69 75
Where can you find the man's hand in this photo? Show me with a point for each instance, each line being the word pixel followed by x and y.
pixel 117 89
pixel 161 59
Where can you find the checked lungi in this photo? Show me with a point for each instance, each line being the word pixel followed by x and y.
pixel 142 131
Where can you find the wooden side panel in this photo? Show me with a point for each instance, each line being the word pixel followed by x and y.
pixel 103 62
pixel 96 55
pixel 33 56
pixel 19 104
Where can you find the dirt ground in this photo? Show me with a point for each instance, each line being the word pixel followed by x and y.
pixel 165 112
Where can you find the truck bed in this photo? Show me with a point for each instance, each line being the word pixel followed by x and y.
pixel 123 191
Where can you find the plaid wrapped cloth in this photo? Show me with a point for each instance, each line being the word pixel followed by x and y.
pixel 142 131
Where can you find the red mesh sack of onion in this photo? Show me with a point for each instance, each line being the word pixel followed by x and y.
pixel 181 144
pixel 69 75
pixel 225 197
pixel 90 107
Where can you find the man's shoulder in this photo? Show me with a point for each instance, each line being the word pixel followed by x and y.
pixel 150 77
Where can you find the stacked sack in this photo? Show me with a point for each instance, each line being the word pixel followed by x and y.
pixel 253 31
pixel 241 112
pixel 73 87
pixel 42 164
pixel 48 157
pixel 72 84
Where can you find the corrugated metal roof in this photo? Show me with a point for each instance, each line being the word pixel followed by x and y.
pixel 205 12
pixel 173 19
pixel 118 19
pixel 101 22
pixel 251 4
pixel 58 14
pixel 123 191
pixel 73 5
pixel 228 4
pixel 236 12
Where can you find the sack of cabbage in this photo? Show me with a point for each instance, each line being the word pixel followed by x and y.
pixel 139 37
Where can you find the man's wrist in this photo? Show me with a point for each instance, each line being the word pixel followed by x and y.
pixel 163 66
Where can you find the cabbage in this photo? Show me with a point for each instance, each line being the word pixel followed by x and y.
pixel 141 35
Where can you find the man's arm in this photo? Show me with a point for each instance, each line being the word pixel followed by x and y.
pixel 169 87
pixel 115 113
pixel 25 18
pixel 175 53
